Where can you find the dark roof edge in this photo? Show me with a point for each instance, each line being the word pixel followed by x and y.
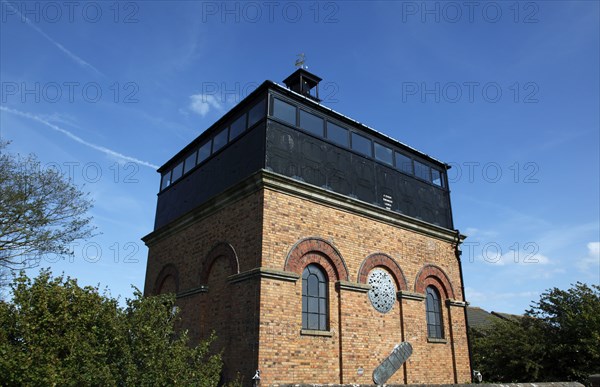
pixel 284 90
pixel 208 131
pixel 352 121
pixel 308 74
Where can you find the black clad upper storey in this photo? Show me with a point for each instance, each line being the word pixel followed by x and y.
pixel 290 133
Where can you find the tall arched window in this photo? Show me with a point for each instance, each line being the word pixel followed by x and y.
pixel 168 285
pixel 434 314
pixel 314 298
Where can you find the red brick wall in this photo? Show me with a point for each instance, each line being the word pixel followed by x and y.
pixel 362 335
pixel 258 320
pixel 197 253
pixel 430 362
pixel 286 356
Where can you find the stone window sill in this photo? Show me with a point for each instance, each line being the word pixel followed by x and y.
pixel 437 341
pixel 309 332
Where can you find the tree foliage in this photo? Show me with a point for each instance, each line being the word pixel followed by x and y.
pixel 41 211
pixel 507 351
pixel 54 332
pixel 569 322
pixel 558 339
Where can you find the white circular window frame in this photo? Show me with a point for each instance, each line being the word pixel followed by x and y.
pixel 383 291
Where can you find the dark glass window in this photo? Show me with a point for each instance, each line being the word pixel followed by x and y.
pixel 177 172
pixel 237 127
pixel 404 163
pixel 284 111
pixel 337 134
pixel 383 153
pixel 190 162
pixel 436 177
pixel 314 298
pixel 204 152
pixel 220 140
pixel 361 144
pixel 256 113
pixel 422 171
pixel 311 123
pixel 166 180
pixel 434 314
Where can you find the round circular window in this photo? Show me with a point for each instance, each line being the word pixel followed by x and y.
pixel 383 292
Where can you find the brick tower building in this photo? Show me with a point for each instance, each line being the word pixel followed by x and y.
pixel 311 244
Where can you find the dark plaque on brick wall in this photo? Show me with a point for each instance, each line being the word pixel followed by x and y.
pixel 392 363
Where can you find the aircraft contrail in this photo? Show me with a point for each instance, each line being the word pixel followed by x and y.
pixel 100 148
pixel 74 57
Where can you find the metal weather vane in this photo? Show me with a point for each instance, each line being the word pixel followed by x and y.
pixel 300 61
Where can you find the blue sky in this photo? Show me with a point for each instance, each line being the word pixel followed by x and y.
pixel 505 92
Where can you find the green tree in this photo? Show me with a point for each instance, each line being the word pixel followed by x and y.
pixel 41 211
pixel 508 351
pixel 54 332
pixel 569 321
pixel 558 339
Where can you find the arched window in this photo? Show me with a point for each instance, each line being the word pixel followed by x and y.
pixel 168 285
pixel 434 314
pixel 314 298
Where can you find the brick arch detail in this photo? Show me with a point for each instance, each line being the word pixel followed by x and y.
pixel 167 270
pixel 385 261
pixel 222 249
pixel 431 275
pixel 320 251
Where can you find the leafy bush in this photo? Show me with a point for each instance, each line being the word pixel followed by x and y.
pixel 54 332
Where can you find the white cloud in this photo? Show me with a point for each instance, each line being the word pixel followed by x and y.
pixel 594 249
pixel 476 234
pixel 203 103
pixel 108 152
pixel 474 296
pixel 471 231
pixel 563 238
pixel 526 255
pixel 592 261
